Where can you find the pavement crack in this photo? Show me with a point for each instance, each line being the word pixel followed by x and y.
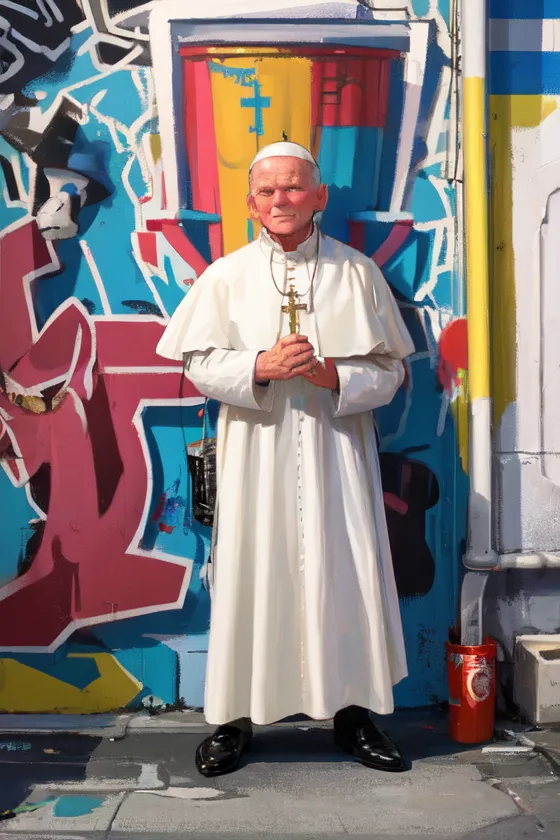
pixel 547 755
pixel 341 821
pixel 538 749
pixel 109 828
pixel 522 806
pixel 164 776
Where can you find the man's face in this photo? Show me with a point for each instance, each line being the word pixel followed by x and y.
pixel 284 196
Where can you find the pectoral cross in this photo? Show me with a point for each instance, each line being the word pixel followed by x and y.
pixel 292 309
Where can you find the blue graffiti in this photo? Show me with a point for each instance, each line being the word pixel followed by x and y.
pixel 15 746
pixel 166 651
pixel 257 102
pixel 246 78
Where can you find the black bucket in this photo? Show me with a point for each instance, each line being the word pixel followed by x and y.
pixel 201 458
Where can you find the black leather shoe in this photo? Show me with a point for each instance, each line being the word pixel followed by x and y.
pixel 357 735
pixel 221 752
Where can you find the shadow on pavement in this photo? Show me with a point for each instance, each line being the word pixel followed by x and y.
pixel 29 760
pixel 421 734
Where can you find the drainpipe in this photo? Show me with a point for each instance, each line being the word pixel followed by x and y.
pixel 480 555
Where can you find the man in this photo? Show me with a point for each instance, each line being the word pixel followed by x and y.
pixel 299 338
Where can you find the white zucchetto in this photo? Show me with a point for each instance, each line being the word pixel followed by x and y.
pixel 284 149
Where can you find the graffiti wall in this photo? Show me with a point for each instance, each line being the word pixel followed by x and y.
pixel 524 118
pixel 126 131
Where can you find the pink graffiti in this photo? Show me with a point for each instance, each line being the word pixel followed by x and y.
pixel 395 503
pixel 397 236
pixel 81 457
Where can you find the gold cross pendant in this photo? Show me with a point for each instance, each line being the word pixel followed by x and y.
pixel 292 309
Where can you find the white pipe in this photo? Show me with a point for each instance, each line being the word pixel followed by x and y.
pixel 479 555
pixel 536 560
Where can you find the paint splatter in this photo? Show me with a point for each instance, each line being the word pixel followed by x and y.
pixel 25 808
pixel 167 529
pixel 15 746
pixel 77 806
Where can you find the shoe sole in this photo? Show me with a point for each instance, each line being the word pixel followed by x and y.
pixel 349 749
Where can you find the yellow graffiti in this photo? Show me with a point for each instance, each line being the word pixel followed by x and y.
pixel 280 101
pixel 25 689
pixel 155 146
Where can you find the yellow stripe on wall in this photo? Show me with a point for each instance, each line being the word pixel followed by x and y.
pixel 529 111
pixel 287 83
pixel 506 113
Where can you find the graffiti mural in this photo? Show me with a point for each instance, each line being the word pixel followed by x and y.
pixel 125 138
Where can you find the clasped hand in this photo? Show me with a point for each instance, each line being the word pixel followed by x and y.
pixel 294 356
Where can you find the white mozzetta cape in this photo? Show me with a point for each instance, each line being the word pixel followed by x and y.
pixel 305 613
pixel 234 305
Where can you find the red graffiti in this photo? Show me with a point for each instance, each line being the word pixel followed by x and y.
pixel 167 529
pixel 393 502
pixel 72 433
pixel 453 354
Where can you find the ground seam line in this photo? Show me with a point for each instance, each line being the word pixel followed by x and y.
pixel 109 828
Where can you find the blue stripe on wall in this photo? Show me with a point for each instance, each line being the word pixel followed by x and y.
pixel 349 162
pixel 525 9
pixel 524 73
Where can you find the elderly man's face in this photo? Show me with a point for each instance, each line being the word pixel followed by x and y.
pixel 283 195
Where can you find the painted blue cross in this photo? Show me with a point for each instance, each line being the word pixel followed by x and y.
pixel 257 102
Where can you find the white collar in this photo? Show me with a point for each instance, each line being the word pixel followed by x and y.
pixel 304 252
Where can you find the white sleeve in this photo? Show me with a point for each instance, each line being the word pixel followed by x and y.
pixel 201 321
pixel 229 377
pixel 366 384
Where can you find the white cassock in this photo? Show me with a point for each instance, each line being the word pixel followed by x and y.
pixel 305 613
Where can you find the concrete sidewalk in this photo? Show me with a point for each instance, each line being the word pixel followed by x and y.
pixel 133 776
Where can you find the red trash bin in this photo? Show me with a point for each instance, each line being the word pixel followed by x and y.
pixel 471 675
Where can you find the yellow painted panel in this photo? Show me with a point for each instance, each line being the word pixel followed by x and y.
pixel 503 307
pixel 506 114
pixel 25 689
pixel 476 227
pixel 286 83
pixel 530 111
